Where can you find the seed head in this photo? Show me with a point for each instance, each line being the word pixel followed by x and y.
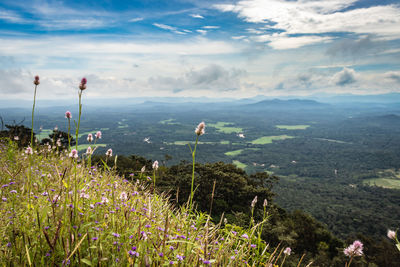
pixel 82 86
pixel 109 153
pixel 253 203
pixel 36 81
pixel 155 165
pixel 90 138
pixel 73 154
pixel 287 251
pixel 200 130
pixel 391 234
pixel 68 114
pixel 29 150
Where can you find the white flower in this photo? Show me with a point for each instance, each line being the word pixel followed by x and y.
pixel 287 251
pixel 391 234
pixel 90 137
pixel 155 165
pixel 109 153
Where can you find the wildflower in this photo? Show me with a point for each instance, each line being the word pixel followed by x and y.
pixel 253 245
pixel 58 142
pixel 82 86
pixel 200 130
pixel 115 234
pixel 73 154
pixel 29 150
pixel 90 138
pixel 354 249
pixel 98 135
pixel 56 128
pixel 84 195
pixel 123 196
pixel 155 165
pixel 68 114
pixel 287 251
pixel 391 234
pixel 4 199
pixel 104 200
pixel 253 203
pixel 94 238
pixel 245 236
pixel 36 81
pixel 109 153
pixel 13 191
pixel 179 257
pixel 89 150
pixel 143 169
pixel 16 138
pixel 265 203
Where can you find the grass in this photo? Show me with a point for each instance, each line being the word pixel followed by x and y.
pixel 268 139
pixel 383 182
pixel 292 127
pixel 77 216
pixel 239 164
pixel 223 128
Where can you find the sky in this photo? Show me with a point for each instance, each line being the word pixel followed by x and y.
pixel 199 48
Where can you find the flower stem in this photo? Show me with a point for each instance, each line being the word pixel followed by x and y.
pixel 33 111
pixel 193 167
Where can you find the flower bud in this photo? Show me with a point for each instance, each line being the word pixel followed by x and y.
pixel 36 81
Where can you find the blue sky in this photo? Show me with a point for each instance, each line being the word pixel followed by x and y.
pixel 199 48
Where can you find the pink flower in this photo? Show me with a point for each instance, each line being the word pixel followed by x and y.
pixel 73 154
pixel 155 165
pixel 68 114
pixel 36 81
pixel 90 138
pixel 287 251
pixel 391 234
pixel 253 203
pixel 29 150
pixel 354 249
pixel 98 135
pixel 200 130
pixel 82 86
pixel 109 153
pixel 89 150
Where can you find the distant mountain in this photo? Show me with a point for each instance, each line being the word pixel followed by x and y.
pixel 287 104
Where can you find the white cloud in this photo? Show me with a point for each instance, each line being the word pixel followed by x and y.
pixel 210 27
pixel 12 17
pixel 135 19
pixel 203 32
pixel 283 41
pixel 344 77
pixel 317 17
pixel 196 16
pixel 169 28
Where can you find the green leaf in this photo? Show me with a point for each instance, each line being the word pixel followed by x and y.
pixel 87 262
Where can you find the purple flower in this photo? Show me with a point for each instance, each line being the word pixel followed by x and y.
pixel 47 227
pixel 245 236
pixel 4 199
pixel 115 234
pixel 253 246
pixel 161 254
pixel 82 86
pixel 179 257
pixel 94 238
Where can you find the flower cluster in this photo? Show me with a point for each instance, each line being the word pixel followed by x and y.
pixel 355 249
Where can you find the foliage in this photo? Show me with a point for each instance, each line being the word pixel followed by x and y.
pixel 79 215
pixel 19 133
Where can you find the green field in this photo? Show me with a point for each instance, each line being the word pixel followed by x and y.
pixel 223 128
pixel 292 127
pixel 238 152
pixel 85 146
pixel 169 122
pixel 268 139
pixel 383 182
pixel 44 134
pixel 239 164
